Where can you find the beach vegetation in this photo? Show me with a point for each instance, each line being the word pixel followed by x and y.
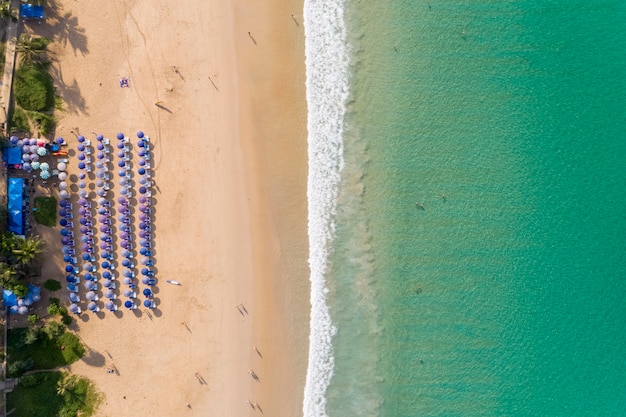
pixel 7 12
pixel 60 394
pixel 55 308
pixel 19 121
pixel 53 346
pixel 27 250
pixel 32 318
pixel 45 210
pixel 52 285
pixel 33 87
pixel 32 49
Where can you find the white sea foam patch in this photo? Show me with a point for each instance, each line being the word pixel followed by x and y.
pixel 327 62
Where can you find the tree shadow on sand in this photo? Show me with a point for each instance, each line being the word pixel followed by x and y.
pixel 64 28
pixel 70 93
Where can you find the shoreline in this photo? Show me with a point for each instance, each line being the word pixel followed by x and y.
pixel 230 220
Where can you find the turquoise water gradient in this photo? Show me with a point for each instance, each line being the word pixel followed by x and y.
pixel 516 111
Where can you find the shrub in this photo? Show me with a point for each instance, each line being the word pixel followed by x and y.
pixel 32 318
pixel 67 320
pixel 42 121
pixel 32 380
pixel 31 335
pixel 17 368
pixel 19 121
pixel 53 309
pixel 46 210
pixel 54 329
pixel 52 285
pixel 33 88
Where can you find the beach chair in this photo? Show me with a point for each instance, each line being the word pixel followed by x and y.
pixel 88 168
pixel 87 142
pixel 88 151
pixel 106 141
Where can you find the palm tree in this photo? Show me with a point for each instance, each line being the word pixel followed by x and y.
pixel 6 11
pixel 7 274
pixel 32 49
pixel 27 250
pixel 65 384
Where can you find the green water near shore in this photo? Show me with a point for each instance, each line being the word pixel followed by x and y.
pixel 514 111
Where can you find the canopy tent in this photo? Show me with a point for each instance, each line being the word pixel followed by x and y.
pixel 30 11
pixel 15 205
pixel 12 156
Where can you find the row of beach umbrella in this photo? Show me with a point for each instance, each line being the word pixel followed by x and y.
pixel 103 224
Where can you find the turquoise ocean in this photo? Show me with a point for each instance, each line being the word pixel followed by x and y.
pixel 503 292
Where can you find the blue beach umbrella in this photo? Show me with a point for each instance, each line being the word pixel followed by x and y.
pixel 81 165
pixel 110 306
pixel 128 293
pixel 148 303
pixel 74 309
pixel 141 171
pixel 81 139
pixel 66 249
pixel 91 296
pixel 140 134
pixel 72 288
pixel 106 275
pixel 81 156
pixel 147 292
pixel 120 136
pixel 69 268
pixel 128 304
pixel 71 279
pixel 81 147
pixel 109 294
pixel 92 307
pixel 99 138
pixel 73 297
pixel 67 258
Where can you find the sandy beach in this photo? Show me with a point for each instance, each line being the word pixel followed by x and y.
pixel 230 164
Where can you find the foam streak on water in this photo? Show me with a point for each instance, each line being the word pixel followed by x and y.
pixel 327 60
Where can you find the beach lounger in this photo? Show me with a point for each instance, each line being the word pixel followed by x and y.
pixel 87 142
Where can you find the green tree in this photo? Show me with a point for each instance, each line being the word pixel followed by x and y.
pixel 27 250
pixel 32 49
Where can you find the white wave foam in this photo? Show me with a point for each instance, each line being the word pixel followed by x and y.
pixel 327 63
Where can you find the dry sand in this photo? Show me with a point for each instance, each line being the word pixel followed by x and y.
pixel 229 142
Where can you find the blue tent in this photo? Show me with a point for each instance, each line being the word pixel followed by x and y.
pixel 10 299
pixel 12 156
pixel 15 198
pixel 29 11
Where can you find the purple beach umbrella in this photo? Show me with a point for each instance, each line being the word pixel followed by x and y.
pixel 81 139
pixel 81 156
pixel 81 165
